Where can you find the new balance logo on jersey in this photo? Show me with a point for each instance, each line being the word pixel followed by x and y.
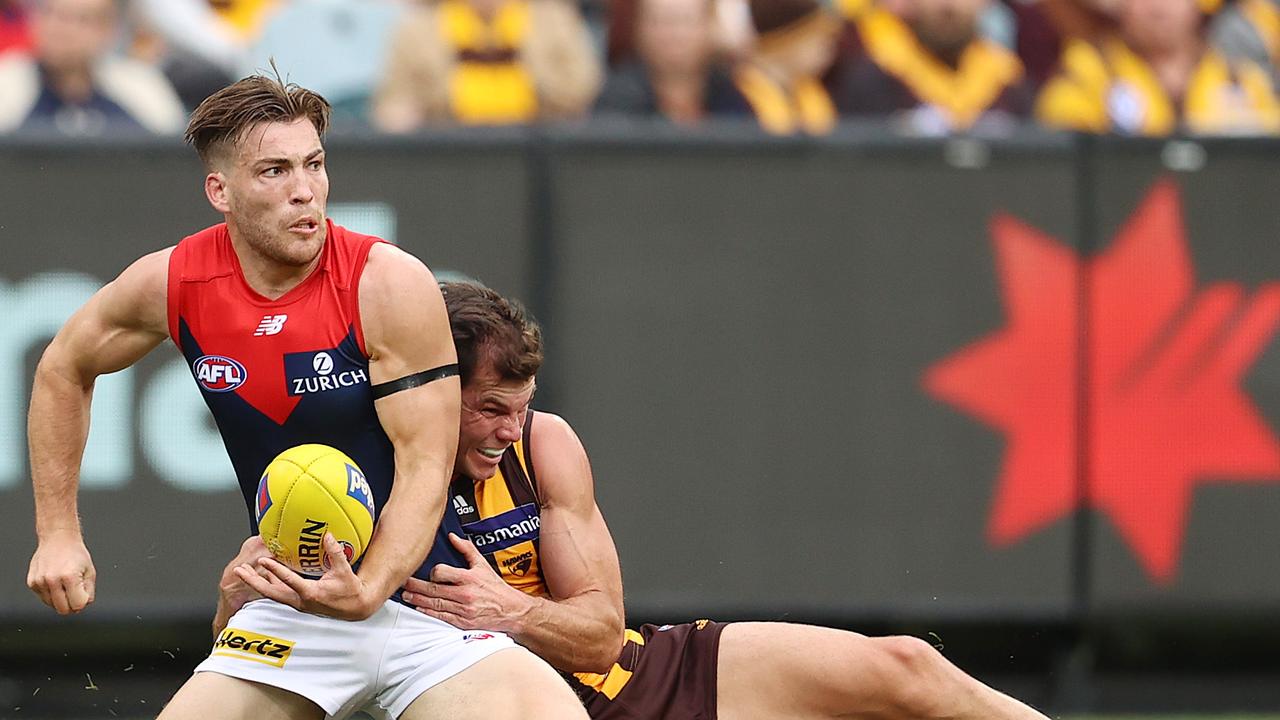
pixel 270 325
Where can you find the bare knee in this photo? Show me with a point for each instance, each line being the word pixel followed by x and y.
pixel 917 681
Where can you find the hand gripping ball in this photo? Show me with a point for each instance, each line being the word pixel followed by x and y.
pixel 305 492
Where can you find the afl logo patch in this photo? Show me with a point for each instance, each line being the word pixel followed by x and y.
pixel 218 373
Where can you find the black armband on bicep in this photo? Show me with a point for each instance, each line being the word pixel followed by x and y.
pixel 408 382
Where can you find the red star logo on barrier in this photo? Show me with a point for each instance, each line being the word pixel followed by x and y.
pixel 1162 407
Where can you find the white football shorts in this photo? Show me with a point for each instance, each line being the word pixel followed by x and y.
pixel 385 661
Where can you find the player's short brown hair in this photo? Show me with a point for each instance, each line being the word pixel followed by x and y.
pixel 491 328
pixel 225 116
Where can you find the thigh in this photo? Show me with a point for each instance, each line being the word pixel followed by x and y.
pixel 512 683
pixel 777 670
pixel 332 663
pixel 212 695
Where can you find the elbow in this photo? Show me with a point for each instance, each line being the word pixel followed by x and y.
pixel 50 365
pixel 598 660
pixel 604 652
pixel 56 369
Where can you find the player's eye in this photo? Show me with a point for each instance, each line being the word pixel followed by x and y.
pixel 315 164
pixel 273 171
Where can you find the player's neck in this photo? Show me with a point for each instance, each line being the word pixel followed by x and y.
pixel 269 278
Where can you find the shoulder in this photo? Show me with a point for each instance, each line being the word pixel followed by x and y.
pixel 553 432
pixel 399 300
pixel 148 270
pixel 559 460
pixel 137 297
pixel 152 267
pixel 389 268
pixel 207 236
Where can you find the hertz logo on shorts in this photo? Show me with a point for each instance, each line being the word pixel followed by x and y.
pixel 252 646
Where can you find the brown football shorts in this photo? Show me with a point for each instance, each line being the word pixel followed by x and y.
pixel 665 672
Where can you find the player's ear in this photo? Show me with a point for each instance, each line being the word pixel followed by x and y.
pixel 215 188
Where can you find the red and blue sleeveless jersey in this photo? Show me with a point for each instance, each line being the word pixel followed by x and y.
pixel 284 372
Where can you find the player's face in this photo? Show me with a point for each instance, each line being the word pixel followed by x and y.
pixel 493 413
pixel 276 191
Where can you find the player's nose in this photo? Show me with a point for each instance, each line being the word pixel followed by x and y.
pixel 509 431
pixel 301 193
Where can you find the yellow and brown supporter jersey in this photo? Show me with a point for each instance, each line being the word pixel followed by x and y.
pixel 893 72
pixel 1112 89
pixel 805 107
pixel 500 516
pixel 489 84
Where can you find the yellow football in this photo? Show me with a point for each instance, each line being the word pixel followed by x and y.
pixel 305 492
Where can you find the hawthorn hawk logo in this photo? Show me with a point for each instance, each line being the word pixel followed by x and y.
pixel 1162 366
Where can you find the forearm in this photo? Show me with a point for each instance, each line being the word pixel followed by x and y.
pixel 406 527
pixel 578 634
pixel 58 426
pixel 223 615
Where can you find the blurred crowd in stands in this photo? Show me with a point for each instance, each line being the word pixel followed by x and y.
pixel 927 67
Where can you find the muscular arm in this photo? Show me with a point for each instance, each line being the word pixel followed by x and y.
pixel 121 323
pixel 406 331
pixel 579 628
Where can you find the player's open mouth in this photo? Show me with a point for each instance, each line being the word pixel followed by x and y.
pixel 306 225
pixel 491 453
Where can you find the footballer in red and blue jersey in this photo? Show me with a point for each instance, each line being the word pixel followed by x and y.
pixel 284 372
